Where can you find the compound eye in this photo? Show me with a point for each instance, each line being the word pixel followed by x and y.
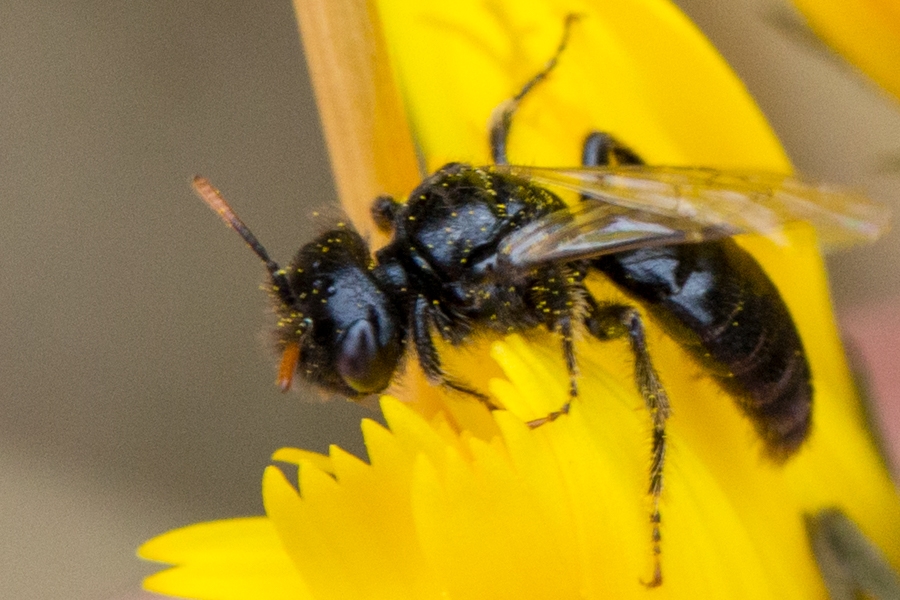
pixel 358 362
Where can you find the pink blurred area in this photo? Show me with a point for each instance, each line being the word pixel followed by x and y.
pixel 872 337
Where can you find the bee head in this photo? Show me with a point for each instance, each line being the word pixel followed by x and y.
pixel 344 329
pixel 336 327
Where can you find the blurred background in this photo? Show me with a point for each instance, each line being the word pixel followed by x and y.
pixel 137 389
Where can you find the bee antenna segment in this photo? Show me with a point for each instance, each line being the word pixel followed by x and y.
pixel 213 198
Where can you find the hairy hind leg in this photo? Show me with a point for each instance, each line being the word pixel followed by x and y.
pixel 617 320
pixel 612 321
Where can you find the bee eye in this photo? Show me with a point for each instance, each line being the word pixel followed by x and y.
pixel 358 361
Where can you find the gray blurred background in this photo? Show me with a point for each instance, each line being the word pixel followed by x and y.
pixel 138 392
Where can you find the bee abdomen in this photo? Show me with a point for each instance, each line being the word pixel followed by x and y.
pixel 771 383
pixel 719 304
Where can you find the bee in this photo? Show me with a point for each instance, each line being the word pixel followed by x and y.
pixel 492 247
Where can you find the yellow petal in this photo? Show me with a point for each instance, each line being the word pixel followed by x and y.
pixel 235 559
pixel 638 69
pixel 604 446
pixel 866 33
pixel 351 534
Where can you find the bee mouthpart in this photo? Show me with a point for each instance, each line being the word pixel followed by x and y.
pixel 289 359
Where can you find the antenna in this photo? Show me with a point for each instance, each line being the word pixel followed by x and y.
pixel 215 201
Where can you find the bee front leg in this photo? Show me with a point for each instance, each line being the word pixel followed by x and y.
pixel 429 359
pixel 617 320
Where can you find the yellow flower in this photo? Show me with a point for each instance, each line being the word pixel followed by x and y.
pixel 456 502
pixel 866 33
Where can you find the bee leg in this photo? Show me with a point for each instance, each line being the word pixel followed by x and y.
pixel 428 355
pixel 501 119
pixel 562 296
pixel 613 321
pixel 603 150
pixel 564 327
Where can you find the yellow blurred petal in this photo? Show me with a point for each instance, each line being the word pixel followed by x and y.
pixel 636 68
pixel 236 559
pixel 865 32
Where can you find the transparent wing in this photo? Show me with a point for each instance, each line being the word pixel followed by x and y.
pixel 701 203
pixel 594 228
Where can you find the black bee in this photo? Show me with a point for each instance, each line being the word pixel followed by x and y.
pixel 493 248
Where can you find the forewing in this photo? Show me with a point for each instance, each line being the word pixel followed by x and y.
pixel 722 201
pixel 594 228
